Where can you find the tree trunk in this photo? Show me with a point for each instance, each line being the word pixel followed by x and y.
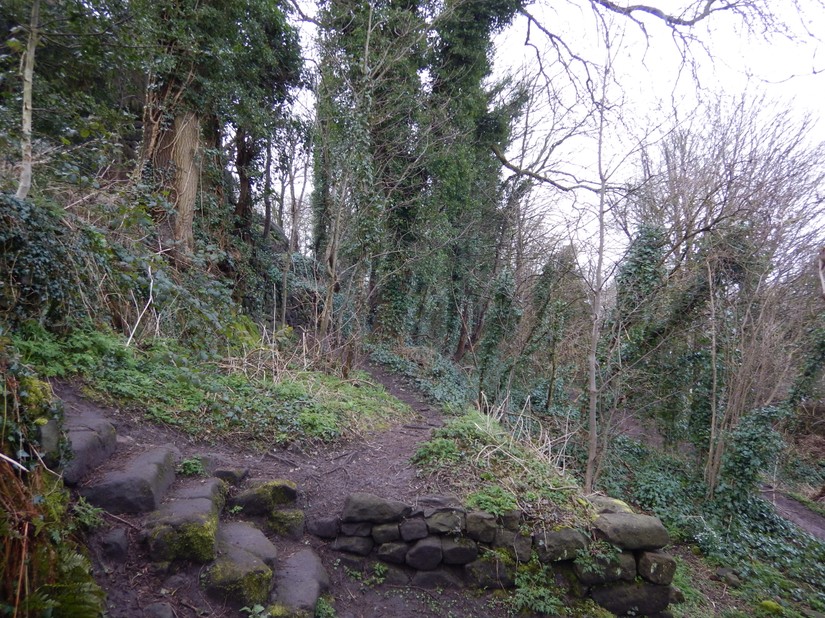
pixel 28 79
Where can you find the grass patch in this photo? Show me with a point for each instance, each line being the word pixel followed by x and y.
pixel 212 396
pixel 477 459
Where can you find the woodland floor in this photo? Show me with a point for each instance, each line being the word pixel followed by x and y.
pixel 326 474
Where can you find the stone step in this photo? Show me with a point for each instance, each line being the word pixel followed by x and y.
pixel 92 440
pixel 243 570
pixel 185 527
pixel 140 484
pixel 301 581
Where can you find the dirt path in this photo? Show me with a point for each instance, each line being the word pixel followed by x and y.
pixel 378 463
pixel 796 512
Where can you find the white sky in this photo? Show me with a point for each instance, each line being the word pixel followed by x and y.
pixel 652 82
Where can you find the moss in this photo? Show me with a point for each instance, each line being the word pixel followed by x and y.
pixel 278 610
pixel 771 607
pixel 190 541
pixel 36 395
pixel 245 586
pixel 287 523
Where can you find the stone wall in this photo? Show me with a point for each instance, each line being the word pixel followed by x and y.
pixel 437 543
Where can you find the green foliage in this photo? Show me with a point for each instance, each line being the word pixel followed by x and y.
pixel 436 453
pixel 597 557
pixel 536 591
pixel 492 499
pixel 192 466
pixel 435 376
pixel 324 608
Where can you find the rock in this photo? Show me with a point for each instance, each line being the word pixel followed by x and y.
pixel 185 528
pixel 657 567
pixel 520 547
pixel 300 583
pixel 413 529
pixel 263 497
pixel 139 487
pixel 241 536
pixel 438 578
pixel 429 505
pixel 396 577
pixel 115 544
pixel 361 506
pixel 601 571
pixel 642 598
pixel 458 550
pixel 238 576
pixel 728 576
pixel 481 526
pixel 356 529
pixel 158 610
pixel 563 544
pixel 632 531
pixel 425 555
pixel 361 545
pixel 446 522
pixel 511 520
pixel 395 553
pixel 491 572
pixel 324 527
pixel 677 597
pixel 233 476
pixel 48 436
pixel 386 533
pixel 92 440
pixel 603 504
pixel 288 523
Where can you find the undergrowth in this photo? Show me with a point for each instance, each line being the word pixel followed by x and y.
pixel 476 458
pixel 207 394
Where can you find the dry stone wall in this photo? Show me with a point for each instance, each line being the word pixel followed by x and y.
pixel 437 543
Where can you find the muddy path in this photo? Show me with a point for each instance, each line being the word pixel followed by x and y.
pixel 811 522
pixel 378 462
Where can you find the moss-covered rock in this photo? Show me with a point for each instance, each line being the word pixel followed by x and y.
pixel 193 540
pixel 278 610
pixel 239 577
pixel 264 498
pixel 288 523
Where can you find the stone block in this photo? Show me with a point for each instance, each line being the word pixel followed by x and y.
pixel 517 545
pixel 395 553
pixel 657 567
pixel 481 526
pixel 324 527
pixel 446 522
pixel 641 598
pixel 555 545
pixel 491 572
pixel 413 529
pixel 425 555
pixel 360 545
pixel 458 550
pixel 632 531
pixel 361 506
pixel 386 533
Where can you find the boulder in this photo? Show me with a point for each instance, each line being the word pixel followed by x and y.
pixel 632 531
pixel 242 536
pixel 185 528
pixel 139 486
pixel 563 544
pixel 511 520
pixel 425 555
pixel 458 550
pixel 437 578
pixel 287 523
pixel 481 526
pixel 603 504
pixel 92 440
pixel 657 567
pixel 386 533
pixel 491 572
pixel 114 544
pixel 324 527
pixel 517 545
pixel 361 506
pixel 622 567
pixel 641 598
pixel 413 529
pixel 240 577
pixel 300 583
pixel 263 497
pixel 356 529
pixel 395 553
pixel 446 522
pixel 360 545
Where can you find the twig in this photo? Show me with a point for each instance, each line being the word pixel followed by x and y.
pixel 14 463
pixel 121 520
pixel 148 302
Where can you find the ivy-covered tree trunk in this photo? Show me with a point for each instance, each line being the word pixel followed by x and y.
pixel 28 79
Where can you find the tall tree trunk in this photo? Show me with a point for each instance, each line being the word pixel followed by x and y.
pixel 28 79
pixel 245 155
pixel 268 189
